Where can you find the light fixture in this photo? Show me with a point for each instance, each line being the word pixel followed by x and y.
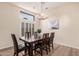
pixel 42 15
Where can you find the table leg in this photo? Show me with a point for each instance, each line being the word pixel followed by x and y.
pixel 31 50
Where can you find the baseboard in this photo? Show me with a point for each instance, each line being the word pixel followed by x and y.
pixel 58 43
pixel 66 45
pixel 6 48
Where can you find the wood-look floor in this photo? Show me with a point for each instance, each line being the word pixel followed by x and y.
pixel 58 50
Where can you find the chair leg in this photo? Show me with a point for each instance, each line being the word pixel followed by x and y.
pixel 52 45
pixel 41 52
pixel 46 50
pixel 14 53
pixel 49 47
pixel 25 52
pixel 35 51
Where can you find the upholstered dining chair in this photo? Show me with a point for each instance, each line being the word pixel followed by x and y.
pixel 17 48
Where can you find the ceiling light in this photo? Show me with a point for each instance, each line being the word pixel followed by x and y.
pixel 42 15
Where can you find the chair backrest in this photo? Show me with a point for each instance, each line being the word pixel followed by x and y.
pixel 35 35
pixel 15 43
pixel 52 36
pixel 46 38
pixel 45 35
pixel 28 34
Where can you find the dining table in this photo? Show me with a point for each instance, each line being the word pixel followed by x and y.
pixel 30 41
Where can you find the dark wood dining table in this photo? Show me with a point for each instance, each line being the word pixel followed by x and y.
pixel 31 41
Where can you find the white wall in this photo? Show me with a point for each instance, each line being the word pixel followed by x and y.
pixel 68 33
pixel 9 23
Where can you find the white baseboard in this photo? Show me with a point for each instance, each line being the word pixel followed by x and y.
pixel 63 44
pixel 66 45
pixel 2 48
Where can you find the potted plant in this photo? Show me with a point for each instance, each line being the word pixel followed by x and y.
pixel 39 30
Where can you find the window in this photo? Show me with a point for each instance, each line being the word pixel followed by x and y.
pixel 22 29
pixel 27 16
pixel 27 23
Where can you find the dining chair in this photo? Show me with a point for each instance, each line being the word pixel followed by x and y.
pixel 52 39
pixel 40 47
pixel 46 40
pixel 17 48
pixel 44 44
pixel 27 34
pixel 35 35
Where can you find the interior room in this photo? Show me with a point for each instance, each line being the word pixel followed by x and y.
pixel 39 28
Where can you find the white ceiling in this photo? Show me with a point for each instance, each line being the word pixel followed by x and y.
pixel 36 6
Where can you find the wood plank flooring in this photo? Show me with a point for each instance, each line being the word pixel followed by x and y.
pixel 58 50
